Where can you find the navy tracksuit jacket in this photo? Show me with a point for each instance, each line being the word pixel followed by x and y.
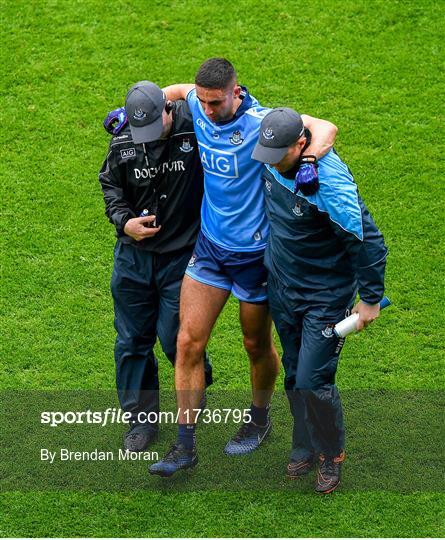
pixel 322 249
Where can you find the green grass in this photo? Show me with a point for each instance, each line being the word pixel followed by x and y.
pixel 374 68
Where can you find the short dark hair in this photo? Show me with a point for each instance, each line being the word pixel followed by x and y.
pixel 215 73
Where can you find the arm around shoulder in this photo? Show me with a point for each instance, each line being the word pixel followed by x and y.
pixel 177 91
pixel 323 134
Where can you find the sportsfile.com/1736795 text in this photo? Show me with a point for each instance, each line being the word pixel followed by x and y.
pixel 114 415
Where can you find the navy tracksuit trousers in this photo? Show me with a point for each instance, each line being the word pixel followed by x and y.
pixel 145 288
pixel 310 356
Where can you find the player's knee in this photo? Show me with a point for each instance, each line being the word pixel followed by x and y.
pixel 190 347
pixel 258 347
pixel 252 347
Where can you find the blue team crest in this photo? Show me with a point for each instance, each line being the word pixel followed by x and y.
pixel 186 147
pixel 328 332
pixel 297 210
pixel 268 134
pixel 236 138
pixel 139 114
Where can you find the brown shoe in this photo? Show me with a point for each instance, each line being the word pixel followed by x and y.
pixel 329 472
pixel 300 467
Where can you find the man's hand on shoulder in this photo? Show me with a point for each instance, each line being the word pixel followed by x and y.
pixel 366 314
pixel 115 121
pixel 138 230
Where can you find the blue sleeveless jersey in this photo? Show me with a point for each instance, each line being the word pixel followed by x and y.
pixel 233 214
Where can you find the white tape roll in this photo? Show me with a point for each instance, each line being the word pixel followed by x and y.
pixel 346 326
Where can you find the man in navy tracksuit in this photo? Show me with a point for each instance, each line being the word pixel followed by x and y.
pixel 152 164
pixel 323 247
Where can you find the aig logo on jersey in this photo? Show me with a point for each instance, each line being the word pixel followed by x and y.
pixel 236 138
pixel 128 153
pixel 186 147
pixel 218 162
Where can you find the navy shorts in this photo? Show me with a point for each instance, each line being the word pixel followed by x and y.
pixel 243 274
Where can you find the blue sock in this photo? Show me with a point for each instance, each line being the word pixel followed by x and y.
pixel 186 435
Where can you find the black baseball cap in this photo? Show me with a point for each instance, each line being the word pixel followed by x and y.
pixel 280 128
pixel 144 104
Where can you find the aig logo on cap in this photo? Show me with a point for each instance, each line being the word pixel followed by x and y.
pixel 268 134
pixel 139 114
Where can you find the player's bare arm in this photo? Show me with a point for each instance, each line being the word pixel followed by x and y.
pixel 323 133
pixel 177 91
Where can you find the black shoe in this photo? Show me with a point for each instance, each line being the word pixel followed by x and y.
pixel 248 438
pixel 177 458
pixel 297 468
pixel 138 441
pixel 328 475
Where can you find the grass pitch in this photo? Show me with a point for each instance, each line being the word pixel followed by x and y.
pixel 373 68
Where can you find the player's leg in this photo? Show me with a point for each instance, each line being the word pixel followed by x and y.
pixel 136 311
pixel 170 270
pixel 249 278
pixel 256 325
pixel 205 289
pixel 200 306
